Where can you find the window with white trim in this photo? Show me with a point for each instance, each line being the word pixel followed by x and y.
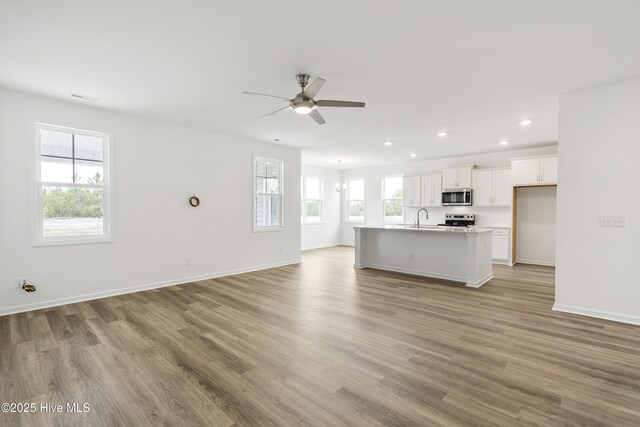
pixel 392 209
pixel 268 196
pixel 355 200
pixel 312 191
pixel 72 186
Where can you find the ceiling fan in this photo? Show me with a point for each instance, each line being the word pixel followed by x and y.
pixel 303 103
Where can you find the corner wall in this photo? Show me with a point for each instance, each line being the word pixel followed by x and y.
pixel 327 233
pixel 599 151
pixel 157 166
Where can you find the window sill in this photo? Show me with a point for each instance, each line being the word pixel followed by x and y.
pixel 71 242
pixel 312 223
pixel 267 229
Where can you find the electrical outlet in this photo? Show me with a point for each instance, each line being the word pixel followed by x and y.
pixel 613 221
pixel 187 262
pixel 20 283
pixel 281 250
pixel 411 255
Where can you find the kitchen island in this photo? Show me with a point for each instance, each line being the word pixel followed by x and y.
pixel 451 253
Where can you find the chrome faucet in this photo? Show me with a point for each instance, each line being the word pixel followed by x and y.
pixel 418 215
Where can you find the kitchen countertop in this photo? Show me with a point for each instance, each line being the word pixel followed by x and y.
pixel 490 226
pixel 432 228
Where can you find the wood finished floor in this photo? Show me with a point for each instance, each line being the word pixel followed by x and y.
pixel 323 344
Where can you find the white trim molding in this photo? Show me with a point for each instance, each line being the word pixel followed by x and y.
pixel 616 317
pixel 138 288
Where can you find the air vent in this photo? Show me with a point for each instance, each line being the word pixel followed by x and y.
pixel 85 97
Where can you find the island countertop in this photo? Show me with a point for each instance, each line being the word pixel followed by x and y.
pixel 433 228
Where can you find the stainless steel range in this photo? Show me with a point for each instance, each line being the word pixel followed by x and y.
pixel 459 220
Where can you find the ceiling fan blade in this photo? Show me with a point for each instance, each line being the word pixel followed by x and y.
pixel 288 107
pixel 329 103
pixel 315 115
pixel 266 96
pixel 313 89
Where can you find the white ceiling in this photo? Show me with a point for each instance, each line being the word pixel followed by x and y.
pixel 472 68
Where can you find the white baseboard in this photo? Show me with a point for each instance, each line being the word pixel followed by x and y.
pixel 624 318
pixel 138 288
pixel 459 279
pixel 536 262
pixel 321 246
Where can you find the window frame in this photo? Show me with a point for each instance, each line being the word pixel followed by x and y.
pixel 255 193
pixel 108 234
pixel 364 200
pixel 304 199
pixel 383 199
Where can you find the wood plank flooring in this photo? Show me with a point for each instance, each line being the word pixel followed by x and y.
pixel 323 344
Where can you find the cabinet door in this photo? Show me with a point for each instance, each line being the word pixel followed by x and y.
pixel 502 187
pixel 482 188
pixel 431 190
pixel 549 170
pixel 436 190
pixel 450 178
pixel 526 172
pixel 416 191
pixel 500 248
pixel 427 190
pixel 407 191
pixel 464 177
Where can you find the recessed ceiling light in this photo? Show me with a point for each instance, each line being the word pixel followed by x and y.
pixel 413 154
pixel 504 142
pixel 443 134
pixel 387 143
pixel 525 122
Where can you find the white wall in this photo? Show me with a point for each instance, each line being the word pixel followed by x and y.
pixel 536 233
pixel 599 151
pixel 485 216
pixel 157 166
pixel 328 232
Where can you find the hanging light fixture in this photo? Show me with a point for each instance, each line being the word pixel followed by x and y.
pixel 339 187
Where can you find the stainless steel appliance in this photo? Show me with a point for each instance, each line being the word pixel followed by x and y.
pixel 459 220
pixel 456 197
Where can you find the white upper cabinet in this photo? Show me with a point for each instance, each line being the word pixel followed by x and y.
pixel 535 171
pixel 502 187
pixel 432 190
pixel 492 187
pixel 549 170
pixel 411 191
pixel 482 187
pixel 456 177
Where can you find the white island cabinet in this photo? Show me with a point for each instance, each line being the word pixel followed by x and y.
pixel 451 253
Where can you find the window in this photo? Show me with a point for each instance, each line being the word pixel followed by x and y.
pixel 72 186
pixel 268 195
pixel 392 212
pixel 312 191
pixel 355 200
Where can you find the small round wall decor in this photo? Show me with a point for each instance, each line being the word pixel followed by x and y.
pixel 194 201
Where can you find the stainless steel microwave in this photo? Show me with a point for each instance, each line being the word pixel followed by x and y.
pixel 456 197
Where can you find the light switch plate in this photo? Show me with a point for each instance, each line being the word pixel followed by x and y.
pixel 613 221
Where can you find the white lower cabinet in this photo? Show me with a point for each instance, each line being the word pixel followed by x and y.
pixel 500 245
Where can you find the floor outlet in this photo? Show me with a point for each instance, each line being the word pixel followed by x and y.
pixel 20 283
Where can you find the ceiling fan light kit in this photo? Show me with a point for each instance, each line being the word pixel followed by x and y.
pixel 304 102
